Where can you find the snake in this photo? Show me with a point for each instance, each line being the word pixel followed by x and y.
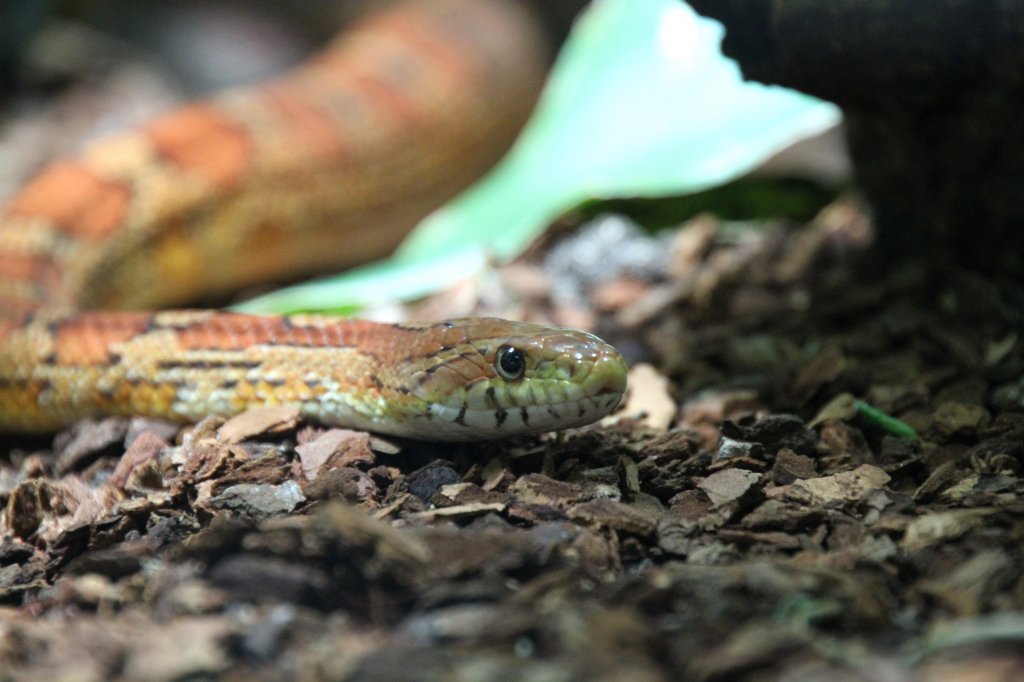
pixel 320 168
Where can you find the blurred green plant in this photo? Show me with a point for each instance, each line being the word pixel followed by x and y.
pixel 884 422
pixel 640 102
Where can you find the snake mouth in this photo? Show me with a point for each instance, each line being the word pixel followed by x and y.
pixel 458 424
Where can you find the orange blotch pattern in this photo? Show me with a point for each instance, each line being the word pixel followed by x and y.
pixel 308 122
pixel 434 45
pixel 230 331
pixel 86 339
pixel 201 140
pixel 73 198
pixel 386 95
pixel 16 267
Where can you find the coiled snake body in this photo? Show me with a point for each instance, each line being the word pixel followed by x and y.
pixel 325 167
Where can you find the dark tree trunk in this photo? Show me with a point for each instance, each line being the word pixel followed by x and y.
pixel 933 95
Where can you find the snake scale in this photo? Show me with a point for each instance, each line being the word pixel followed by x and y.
pixel 326 166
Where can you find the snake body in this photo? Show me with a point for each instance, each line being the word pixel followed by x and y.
pixel 324 167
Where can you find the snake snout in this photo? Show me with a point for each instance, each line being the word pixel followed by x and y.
pixel 607 374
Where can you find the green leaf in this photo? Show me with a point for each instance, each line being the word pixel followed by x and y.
pixel 640 102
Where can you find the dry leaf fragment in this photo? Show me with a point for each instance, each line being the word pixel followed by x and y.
pixel 648 398
pixel 143 449
pixel 260 501
pixel 729 484
pixel 846 486
pixel 931 528
pixel 260 421
pixel 334 449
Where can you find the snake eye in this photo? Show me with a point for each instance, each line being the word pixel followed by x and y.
pixel 510 363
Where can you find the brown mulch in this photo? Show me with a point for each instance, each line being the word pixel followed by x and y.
pixel 747 515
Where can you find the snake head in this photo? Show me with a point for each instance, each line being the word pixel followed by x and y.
pixel 490 378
